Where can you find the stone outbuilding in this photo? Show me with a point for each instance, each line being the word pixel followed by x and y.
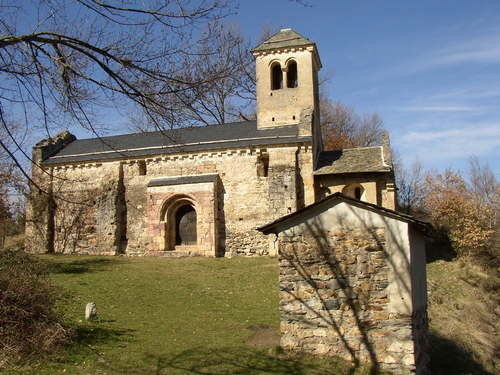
pixel 353 283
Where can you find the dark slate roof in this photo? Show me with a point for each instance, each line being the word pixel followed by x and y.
pixel 166 181
pixel 282 39
pixel 214 137
pixel 352 160
pixel 273 227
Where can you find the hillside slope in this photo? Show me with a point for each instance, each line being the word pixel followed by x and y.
pixel 463 318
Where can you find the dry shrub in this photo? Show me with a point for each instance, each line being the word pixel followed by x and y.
pixel 29 324
pixel 453 207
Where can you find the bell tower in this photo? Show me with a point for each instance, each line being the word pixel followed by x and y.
pixel 287 66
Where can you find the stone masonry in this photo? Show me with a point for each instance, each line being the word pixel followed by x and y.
pixel 334 300
pixel 106 207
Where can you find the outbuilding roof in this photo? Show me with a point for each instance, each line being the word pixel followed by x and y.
pixel 273 227
pixel 352 160
pixel 214 137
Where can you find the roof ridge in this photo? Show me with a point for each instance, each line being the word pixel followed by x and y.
pixel 352 148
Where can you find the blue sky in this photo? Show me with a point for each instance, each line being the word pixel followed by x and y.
pixel 430 69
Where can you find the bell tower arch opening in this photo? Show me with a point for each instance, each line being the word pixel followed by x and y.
pixel 276 76
pixel 291 74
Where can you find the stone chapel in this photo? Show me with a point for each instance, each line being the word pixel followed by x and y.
pixel 203 190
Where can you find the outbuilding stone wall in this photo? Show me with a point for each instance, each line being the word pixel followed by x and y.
pixel 335 300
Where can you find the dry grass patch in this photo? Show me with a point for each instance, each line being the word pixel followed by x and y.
pixel 463 312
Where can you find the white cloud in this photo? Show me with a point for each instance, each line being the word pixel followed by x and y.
pixel 439 108
pixel 469 93
pixel 451 144
pixel 480 49
pixel 486 53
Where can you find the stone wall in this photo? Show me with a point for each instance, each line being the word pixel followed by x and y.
pixel 115 215
pixel 335 300
pixel 81 210
pixel 40 218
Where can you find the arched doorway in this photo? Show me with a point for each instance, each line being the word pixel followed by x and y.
pixel 179 217
pixel 185 226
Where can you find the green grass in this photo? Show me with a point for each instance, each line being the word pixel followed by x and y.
pixel 171 316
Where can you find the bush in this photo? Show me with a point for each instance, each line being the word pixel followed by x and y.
pixel 29 324
pixel 454 208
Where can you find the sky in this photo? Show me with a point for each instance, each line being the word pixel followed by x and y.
pixel 430 69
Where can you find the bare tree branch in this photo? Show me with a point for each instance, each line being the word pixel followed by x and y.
pixel 79 57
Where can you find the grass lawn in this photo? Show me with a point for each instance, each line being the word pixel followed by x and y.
pixel 173 316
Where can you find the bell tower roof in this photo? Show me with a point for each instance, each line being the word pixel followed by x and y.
pixel 285 39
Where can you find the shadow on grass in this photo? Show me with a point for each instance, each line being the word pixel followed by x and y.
pixel 242 361
pixel 88 344
pixel 88 341
pixel 448 358
pixel 79 266
pixel 93 335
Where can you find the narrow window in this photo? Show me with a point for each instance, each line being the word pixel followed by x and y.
pixel 262 165
pixel 142 167
pixel 276 77
pixel 357 193
pixel 291 75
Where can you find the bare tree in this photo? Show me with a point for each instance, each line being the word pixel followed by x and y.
pixel 343 128
pixel 220 48
pixel 485 189
pixel 63 63
pixel 411 187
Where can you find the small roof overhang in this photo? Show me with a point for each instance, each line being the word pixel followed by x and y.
pixel 183 180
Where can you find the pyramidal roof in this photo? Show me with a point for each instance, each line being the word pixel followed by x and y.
pixel 283 39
